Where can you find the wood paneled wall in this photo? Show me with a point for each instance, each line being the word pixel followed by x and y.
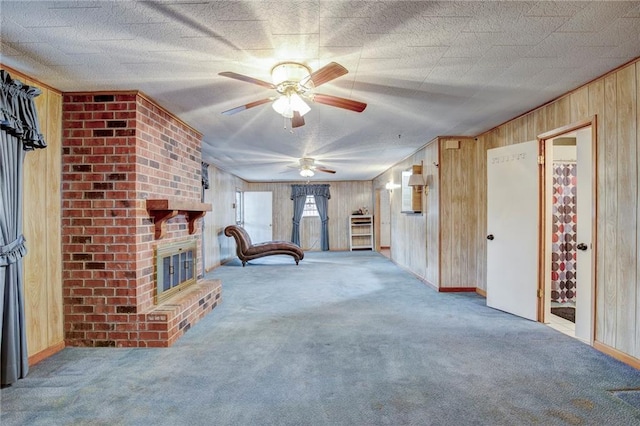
pixel 221 194
pixel 460 192
pixel 345 198
pixel 614 100
pixel 440 245
pixel 42 228
pixel 414 237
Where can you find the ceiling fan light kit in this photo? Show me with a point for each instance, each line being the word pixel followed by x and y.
pixel 285 105
pixel 294 81
pixel 306 172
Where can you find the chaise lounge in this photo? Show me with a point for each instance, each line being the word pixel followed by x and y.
pixel 247 251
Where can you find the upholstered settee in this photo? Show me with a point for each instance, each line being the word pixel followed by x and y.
pixel 247 251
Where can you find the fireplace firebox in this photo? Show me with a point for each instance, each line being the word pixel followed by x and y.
pixel 176 268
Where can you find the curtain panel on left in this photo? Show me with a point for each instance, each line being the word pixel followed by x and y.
pixel 20 132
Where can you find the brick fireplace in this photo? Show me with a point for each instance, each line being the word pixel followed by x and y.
pixel 121 154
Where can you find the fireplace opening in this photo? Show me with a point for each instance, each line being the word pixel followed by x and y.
pixel 176 263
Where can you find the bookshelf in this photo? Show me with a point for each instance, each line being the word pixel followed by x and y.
pixel 361 232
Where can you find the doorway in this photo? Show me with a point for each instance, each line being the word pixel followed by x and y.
pixel 382 222
pixel 520 237
pixel 258 215
pixel 569 246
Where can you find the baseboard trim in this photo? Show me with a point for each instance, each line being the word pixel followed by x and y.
pixel 46 353
pixel 619 355
pixel 481 292
pixel 457 289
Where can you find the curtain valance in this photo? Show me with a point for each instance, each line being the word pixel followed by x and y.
pixel 18 116
pixel 321 189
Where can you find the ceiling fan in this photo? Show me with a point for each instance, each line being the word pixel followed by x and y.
pixel 308 167
pixel 294 82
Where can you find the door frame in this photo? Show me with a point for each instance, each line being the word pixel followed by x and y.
pixel 376 220
pixel 543 139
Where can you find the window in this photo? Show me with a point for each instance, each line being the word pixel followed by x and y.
pixel 310 209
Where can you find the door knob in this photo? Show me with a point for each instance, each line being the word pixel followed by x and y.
pixel 582 246
pixel 490 237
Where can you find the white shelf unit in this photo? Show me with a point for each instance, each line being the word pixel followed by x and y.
pixel 361 232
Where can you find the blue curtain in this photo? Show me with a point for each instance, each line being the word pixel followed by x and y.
pixel 298 208
pixel 299 196
pixel 19 133
pixel 321 205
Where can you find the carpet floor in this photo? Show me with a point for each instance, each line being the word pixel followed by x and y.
pixel 345 338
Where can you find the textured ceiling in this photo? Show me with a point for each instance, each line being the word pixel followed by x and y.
pixel 424 68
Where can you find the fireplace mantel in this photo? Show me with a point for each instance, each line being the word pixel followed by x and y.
pixel 165 209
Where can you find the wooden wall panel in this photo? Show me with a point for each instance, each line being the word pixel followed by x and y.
pixel 637 185
pixel 432 177
pixel 346 197
pixel 615 100
pixel 596 108
pixel 35 232
pixel 627 198
pixel 219 248
pixel 414 237
pixel 579 104
pixel 53 135
pixel 42 228
pixel 459 211
pixel 610 200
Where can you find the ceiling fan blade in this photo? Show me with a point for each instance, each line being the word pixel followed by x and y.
pixel 247 79
pixel 324 169
pixel 247 106
pixel 338 102
pixel 325 74
pixel 297 120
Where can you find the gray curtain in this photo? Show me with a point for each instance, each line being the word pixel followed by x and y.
pixel 321 205
pixel 19 133
pixel 321 194
pixel 298 208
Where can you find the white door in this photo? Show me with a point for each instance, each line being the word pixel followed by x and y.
pixel 584 213
pixel 512 229
pixel 258 215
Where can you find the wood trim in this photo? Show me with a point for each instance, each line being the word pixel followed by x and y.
pixel 46 353
pixel 540 107
pixel 594 228
pixel 164 209
pixel 440 208
pixel 615 353
pixel 542 218
pixel 14 72
pixel 436 139
pixel 543 138
pixel 481 292
pixel 457 289
pixel 376 219
pixel 567 129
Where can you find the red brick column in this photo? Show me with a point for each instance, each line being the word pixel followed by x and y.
pixel 118 150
